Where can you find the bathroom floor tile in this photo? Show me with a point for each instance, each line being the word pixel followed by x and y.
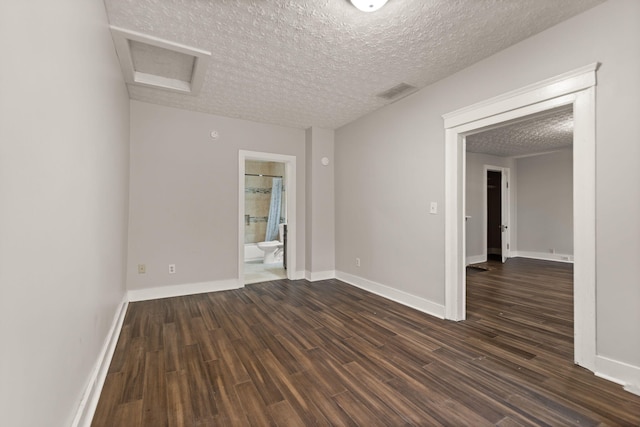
pixel 256 271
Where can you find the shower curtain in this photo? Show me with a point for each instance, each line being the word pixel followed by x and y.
pixel 274 210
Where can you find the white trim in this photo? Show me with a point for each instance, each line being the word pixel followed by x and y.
pixel 615 371
pixel 121 38
pixel 476 259
pixel 584 225
pixel 543 256
pixel 569 82
pixel 319 275
pixel 393 294
pixel 496 121
pixel 576 88
pixel 454 242
pixel 291 178
pixel 183 289
pixel 91 395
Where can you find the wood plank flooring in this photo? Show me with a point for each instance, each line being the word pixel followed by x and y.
pixel 293 353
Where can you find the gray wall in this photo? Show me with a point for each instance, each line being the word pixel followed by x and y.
pixel 545 203
pixel 541 205
pixel 184 193
pixel 391 164
pixel 64 131
pixel 320 202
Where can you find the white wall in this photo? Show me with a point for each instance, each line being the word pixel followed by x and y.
pixel 391 163
pixel 476 225
pixel 64 130
pixel 184 193
pixel 545 204
pixel 320 262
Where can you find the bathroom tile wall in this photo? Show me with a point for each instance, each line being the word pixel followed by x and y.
pixel 257 198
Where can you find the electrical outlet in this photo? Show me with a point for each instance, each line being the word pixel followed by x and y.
pixel 433 208
pixel 142 269
pixel 172 269
pixel 357 262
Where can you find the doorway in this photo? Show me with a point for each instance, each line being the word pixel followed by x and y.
pixel 266 216
pixel 494 228
pixel 265 213
pixel 497 213
pixel 575 88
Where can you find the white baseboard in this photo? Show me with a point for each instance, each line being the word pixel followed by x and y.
pixel 396 295
pixel 90 398
pixel 543 256
pixel 476 259
pixel 181 290
pixel 298 275
pixel 620 373
pixel 319 275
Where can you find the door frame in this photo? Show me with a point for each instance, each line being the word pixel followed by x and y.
pixel 290 180
pixel 576 88
pixel 505 210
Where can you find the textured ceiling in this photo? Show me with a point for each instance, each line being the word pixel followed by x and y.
pixel 303 63
pixel 539 134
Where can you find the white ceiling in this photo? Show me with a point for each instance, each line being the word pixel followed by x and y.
pixel 538 134
pixel 303 63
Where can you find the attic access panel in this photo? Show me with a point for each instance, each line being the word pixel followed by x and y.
pixel 153 62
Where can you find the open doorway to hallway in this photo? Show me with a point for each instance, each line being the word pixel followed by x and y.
pixel 535 287
pixel 519 189
pixel 575 88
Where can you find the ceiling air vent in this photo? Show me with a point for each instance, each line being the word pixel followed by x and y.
pixel 399 91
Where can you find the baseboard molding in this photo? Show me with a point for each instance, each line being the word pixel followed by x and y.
pixel 319 275
pixel 476 259
pixel 396 295
pixel 299 275
pixel 181 290
pixel 621 373
pixel 90 398
pixel 543 256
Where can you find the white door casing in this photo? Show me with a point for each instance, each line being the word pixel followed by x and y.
pixel 575 88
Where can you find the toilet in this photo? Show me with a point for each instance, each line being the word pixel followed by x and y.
pixel 273 249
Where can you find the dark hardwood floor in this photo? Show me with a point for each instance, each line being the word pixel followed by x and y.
pixel 293 353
